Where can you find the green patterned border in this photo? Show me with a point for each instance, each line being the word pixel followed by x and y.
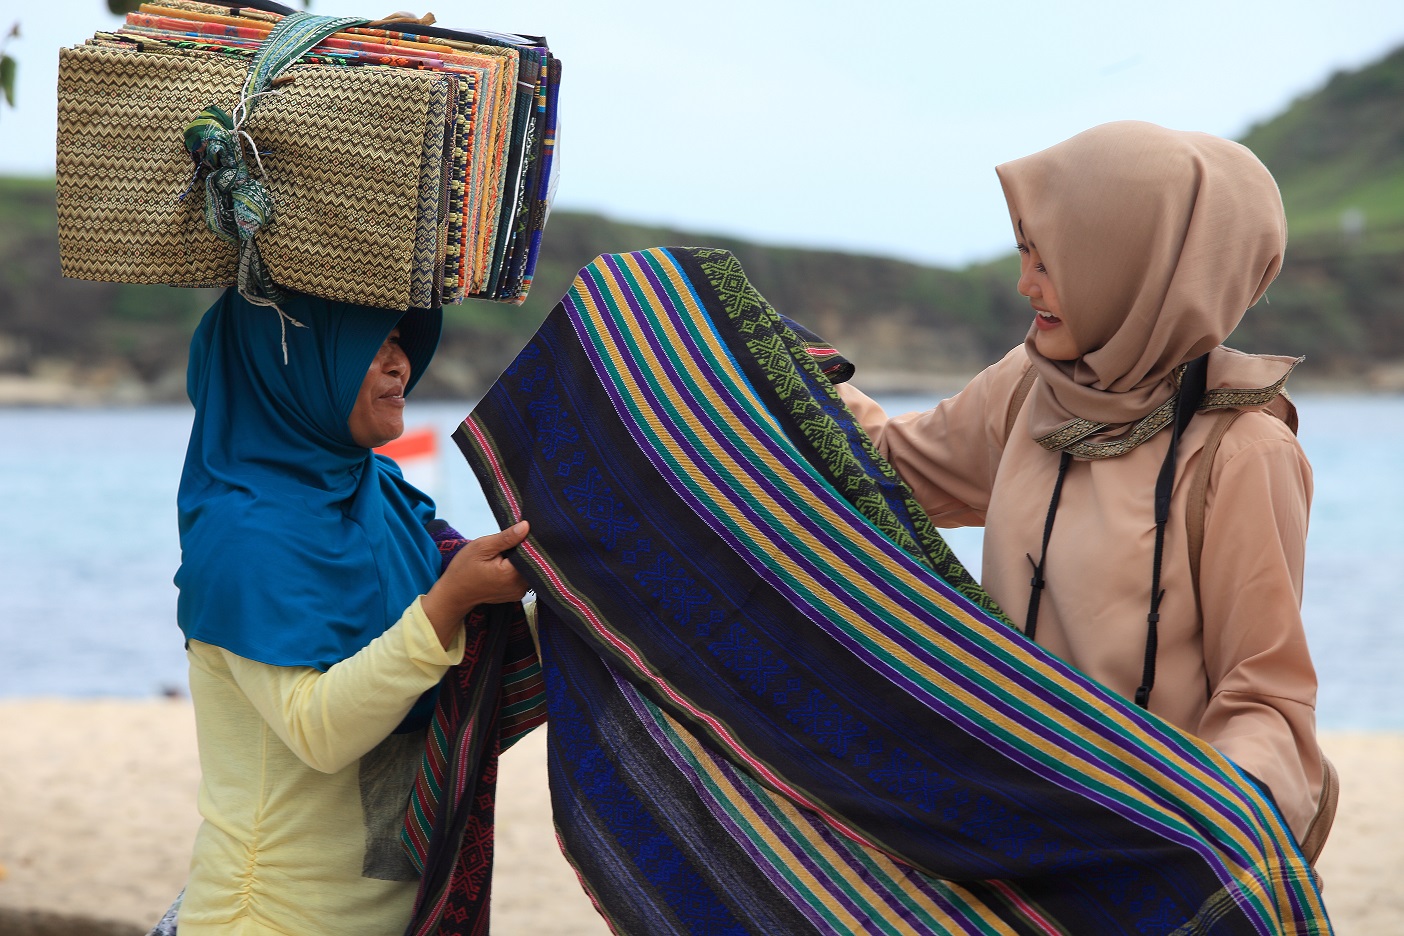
pixel 779 353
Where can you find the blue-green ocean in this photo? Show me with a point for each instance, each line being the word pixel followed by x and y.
pixel 88 546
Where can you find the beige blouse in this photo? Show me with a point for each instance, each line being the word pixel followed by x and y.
pixel 1233 667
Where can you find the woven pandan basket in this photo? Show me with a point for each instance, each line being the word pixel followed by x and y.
pixel 350 156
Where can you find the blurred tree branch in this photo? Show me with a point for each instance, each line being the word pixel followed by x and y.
pixel 7 67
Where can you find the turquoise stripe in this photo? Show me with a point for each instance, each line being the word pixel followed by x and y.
pixel 653 380
pixel 691 397
pixel 700 444
pixel 514 678
pixel 1047 682
pixel 881 882
pixel 526 705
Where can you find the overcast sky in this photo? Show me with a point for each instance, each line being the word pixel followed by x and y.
pixel 871 126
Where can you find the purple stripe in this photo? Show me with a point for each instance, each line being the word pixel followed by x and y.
pixel 842 847
pixel 976 650
pixel 758 857
pixel 956 634
pixel 759 475
pixel 646 444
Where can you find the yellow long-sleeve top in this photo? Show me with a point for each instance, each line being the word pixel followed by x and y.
pixel 304 787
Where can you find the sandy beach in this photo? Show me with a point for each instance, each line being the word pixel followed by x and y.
pixel 97 813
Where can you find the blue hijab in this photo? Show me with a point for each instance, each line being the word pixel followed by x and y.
pixel 298 546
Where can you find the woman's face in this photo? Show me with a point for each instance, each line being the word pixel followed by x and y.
pixel 379 413
pixel 1051 335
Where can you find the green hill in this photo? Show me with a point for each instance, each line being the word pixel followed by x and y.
pixel 893 315
pixel 1338 156
pixel 1340 151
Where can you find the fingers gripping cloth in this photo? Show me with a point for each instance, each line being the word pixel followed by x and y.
pixel 238 206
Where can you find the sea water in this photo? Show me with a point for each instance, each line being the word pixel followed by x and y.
pixel 88 547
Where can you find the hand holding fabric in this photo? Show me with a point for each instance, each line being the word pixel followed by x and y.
pixel 478 574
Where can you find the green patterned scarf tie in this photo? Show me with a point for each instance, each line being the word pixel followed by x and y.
pixel 237 205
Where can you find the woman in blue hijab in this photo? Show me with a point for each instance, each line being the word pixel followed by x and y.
pixel 316 623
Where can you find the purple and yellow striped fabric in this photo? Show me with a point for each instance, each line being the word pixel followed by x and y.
pixel 777 702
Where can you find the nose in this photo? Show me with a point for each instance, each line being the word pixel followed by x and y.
pixel 1028 283
pixel 394 361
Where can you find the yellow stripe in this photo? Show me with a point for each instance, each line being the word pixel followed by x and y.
pixel 761 829
pixel 724 365
pixel 662 428
pixel 806 824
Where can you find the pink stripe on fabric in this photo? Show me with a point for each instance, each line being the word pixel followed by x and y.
pixel 610 637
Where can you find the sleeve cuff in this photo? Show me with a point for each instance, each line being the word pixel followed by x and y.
pixel 423 641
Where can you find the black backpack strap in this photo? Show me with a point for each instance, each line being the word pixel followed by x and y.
pixel 1037 582
pixel 1192 385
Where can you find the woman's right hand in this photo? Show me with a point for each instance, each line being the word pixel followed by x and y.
pixel 479 574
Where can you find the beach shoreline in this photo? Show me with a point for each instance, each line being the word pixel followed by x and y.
pixel 97 814
pixel 107 388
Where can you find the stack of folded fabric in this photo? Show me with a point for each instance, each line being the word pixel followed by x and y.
pixel 391 163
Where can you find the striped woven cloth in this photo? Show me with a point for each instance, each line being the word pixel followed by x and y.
pixel 778 704
pixel 486 703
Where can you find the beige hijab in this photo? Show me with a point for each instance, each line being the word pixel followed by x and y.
pixel 1157 242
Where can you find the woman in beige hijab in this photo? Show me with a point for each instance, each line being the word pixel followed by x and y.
pixel 1141 250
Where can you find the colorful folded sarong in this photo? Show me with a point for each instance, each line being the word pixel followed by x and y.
pixel 777 702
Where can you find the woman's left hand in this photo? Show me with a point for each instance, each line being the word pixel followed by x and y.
pixel 479 574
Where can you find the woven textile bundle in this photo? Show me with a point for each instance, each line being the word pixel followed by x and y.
pixel 777 702
pixel 393 164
